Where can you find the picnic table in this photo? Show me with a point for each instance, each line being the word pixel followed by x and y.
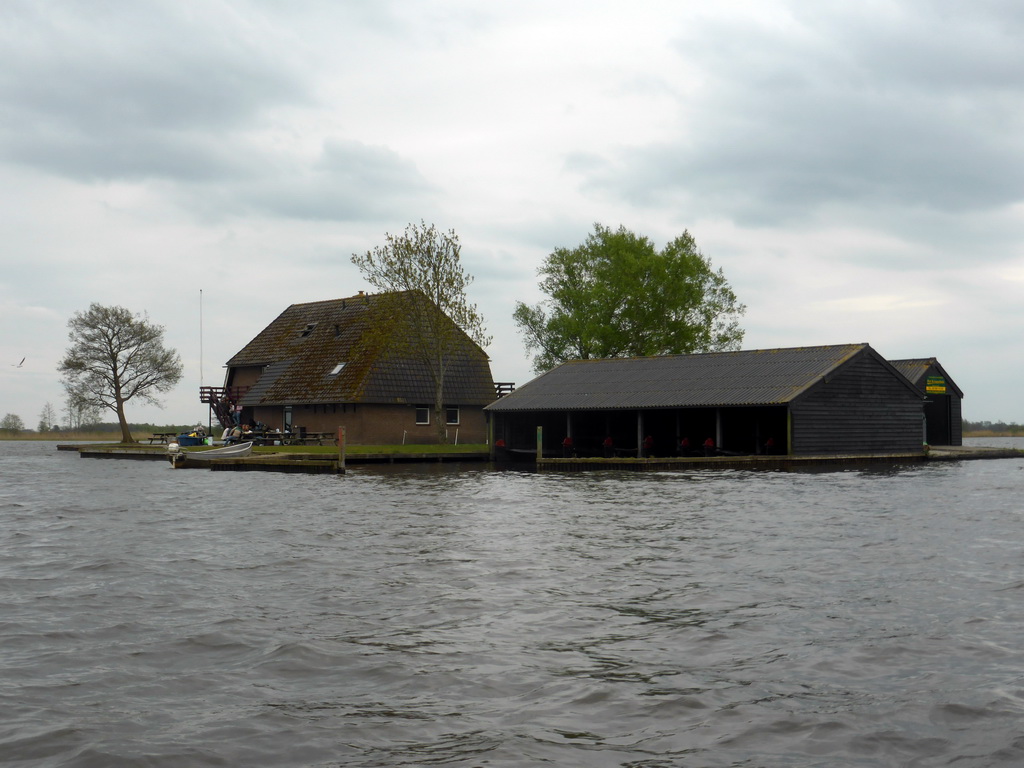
pixel 309 438
pixel 275 437
pixel 268 437
pixel 161 437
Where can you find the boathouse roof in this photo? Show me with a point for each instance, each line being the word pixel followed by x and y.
pixel 917 371
pixel 750 377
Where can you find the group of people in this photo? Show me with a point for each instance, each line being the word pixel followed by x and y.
pixel 233 408
pixel 236 433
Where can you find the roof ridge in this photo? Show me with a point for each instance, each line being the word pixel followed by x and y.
pixel 360 295
pixel 857 345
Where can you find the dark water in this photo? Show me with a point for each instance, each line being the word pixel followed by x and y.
pixel 430 617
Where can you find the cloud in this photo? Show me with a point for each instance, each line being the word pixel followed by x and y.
pixel 838 106
pixel 348 181
pixel 206 103
pixel 118 90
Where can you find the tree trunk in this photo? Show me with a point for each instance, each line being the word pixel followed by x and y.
pixel 126 435
pixel 439 415
pixel 439 419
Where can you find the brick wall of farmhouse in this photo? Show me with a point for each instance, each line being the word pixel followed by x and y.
pixel 244 376
pixel 370 424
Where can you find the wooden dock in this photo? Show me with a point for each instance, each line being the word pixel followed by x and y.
pixel 276 463
pixel 307 463
pixel 962 452
pixel 656 464
pixel 87 451
pixel 318 463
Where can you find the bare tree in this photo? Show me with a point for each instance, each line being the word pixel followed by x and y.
pixel 47 418
pixel 426 263
pixel 79 414
pixel 115 357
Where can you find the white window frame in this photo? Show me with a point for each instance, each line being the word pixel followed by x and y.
pixel 447 415
pixel 426 412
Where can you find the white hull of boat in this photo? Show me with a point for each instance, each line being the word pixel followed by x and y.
pixel 178 457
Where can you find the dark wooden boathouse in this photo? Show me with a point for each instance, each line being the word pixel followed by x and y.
pixel 844 399
pixel 943 402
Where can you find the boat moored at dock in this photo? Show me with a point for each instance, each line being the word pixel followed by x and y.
pixel 180 458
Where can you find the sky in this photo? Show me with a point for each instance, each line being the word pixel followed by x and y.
pixel 855 169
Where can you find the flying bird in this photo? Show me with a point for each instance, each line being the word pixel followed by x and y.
pixel 19 364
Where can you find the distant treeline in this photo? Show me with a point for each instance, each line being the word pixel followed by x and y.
pixel 993 427
pixel 136 429
pixel 92 431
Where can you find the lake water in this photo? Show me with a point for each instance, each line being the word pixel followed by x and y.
pixel 439 616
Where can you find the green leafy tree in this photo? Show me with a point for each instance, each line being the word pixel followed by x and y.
pixel 426 262
pixel 116 357
pixel 12 424
pixel 616 295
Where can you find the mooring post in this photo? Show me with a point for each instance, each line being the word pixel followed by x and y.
pixel 540 443
pixel 490 437
pixel 341 449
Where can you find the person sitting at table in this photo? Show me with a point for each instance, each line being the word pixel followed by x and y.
pixel 232 435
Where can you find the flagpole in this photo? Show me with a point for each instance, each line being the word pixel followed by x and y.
pixel 209 410
pixel 200 337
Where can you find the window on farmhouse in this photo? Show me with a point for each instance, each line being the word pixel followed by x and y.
pixel 336 369
pixel 307 330
pixel 451 414
pixel 422 414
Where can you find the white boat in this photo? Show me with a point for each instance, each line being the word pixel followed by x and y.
pixel 181 458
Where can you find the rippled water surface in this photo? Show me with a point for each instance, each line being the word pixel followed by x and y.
pixel 438 616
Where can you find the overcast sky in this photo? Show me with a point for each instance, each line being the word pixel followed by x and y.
pixel 856 169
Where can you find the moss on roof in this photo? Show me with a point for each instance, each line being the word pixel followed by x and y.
pixel 302 347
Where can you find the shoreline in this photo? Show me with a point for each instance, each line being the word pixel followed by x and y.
pixel 322 461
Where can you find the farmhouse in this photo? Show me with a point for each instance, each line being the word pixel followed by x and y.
pixel 943 399
pixel 844 399
pixel 327 364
